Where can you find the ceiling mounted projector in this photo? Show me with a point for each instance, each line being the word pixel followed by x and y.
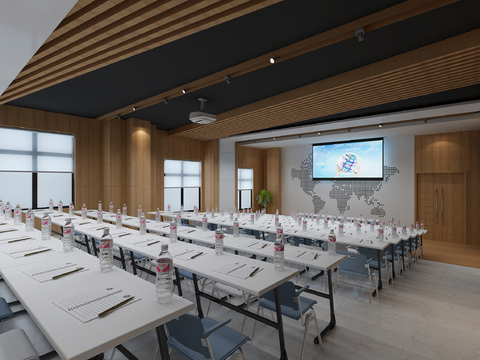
pixel 201 117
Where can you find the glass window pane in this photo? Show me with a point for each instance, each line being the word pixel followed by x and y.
pixel 245 174
pixel 172 197
pixel 11 139
pixel 172 167
pixel 56 186
pixel 58 143
pixel 191 181
pixel 246 199
pixel 53 163
pixel 16 188
pixel 245 185
pixel 172 181
pixel 191 167
pixel 16 162
pixel 191 197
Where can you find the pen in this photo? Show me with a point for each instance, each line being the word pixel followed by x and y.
pixel 153 242
pixel 254 271
pixel 124 234
pixel 26 238
pixel 194 256
pixel 264 246
pixel 37 252
pixel 108 311
pixel 67 273
pixel 191 231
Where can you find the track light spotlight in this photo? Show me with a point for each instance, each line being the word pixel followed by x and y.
pixel 380 125
pixel 425 121
pixel 184 91
pixel 227 79
pixel 273 59
pixel 165 101
pixel 360 32
pixel 134 108
pixel 118 117
pixel 274 138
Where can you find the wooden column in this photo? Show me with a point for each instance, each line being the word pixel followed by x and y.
pixel 273 178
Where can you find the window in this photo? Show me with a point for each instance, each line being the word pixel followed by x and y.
pixel 182 184
pixel 245 188
pixel 36 167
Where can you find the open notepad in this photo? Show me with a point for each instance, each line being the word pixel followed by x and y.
pixel 19 252
pixel 14 239
pixel 144 242
pixel 239 270
pixel 88 305
pixel 48 272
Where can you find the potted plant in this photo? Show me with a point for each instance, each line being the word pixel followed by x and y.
pixel 264 198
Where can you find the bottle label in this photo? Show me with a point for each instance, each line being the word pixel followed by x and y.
pixel 204 220
pixel 29 217
pixel 279 247
pixel 17 212
pixel 219 236
pixel 67 231
pixel 139 211
pixel 332 238
pixel 235 225
pixel 124 208
pixel 45 223
pixel 164 265
pixel 173 227
pixel 279 232
pixel 119 217
pixel 70 207
pixel 104 244
pixel 142 221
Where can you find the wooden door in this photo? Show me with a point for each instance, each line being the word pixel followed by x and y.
pixel 440 204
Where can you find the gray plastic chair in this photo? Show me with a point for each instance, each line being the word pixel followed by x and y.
pixel 356 265
pixel 201 339
pixel 14 344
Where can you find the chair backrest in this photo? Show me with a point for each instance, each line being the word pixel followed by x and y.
pixel 287 295
pixel 187 330
pixel 372 254
pixel 354 262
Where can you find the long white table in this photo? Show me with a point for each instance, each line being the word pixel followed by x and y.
pixel 71 338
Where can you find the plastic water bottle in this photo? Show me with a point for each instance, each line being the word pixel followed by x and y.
pixel 325 223
pixel 372 225
pixel 179 220
pixel 195 211
pixel 417 226
pixel 110 210
pixel 71 210
pixel 279 249
pixel 218 241
pixel 99 216
pixel 340 228
pixel 139 211
pixel 252 218
pixel 60 206
pixel 124 209
pixel 84 212
pixel 157 215
pixel 411 227
pixel 8 211
pixel 304 227
pixel 68 231
pixel 394 230
pixel 106 251
pixel 17 215
pixel 118 220
pixel 213 213
pixel 277 219
pixel 46 227
pixel 181 209
pixel 231 215
pixel 142 224
pixel 422 226
pixel 2 207
pixel 208 209
pixel 299 220
pixel 50 205
pixel 169 208
pixel 216 209
pixel 380 233
pixel 29 220
pixel 236 228
pixel 204 222
pixel 332 243
pixel 221 213
pixel 100 205
pixel 404 229
pixel 173 231
pixel 317 219
pixel 359 227
pixel 164 282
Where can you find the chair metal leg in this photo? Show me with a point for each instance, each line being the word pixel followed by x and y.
pixel 245 316
pixel 316 327
pixel 304 339
pixel 255 324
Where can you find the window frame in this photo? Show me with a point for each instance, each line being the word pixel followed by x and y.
pixel 239 190
pixel 182 175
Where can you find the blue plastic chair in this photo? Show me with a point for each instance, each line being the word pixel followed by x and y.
pixel 293 306
pixel 356 265
pixel 5 311
pixel 373 255
pixel 201 339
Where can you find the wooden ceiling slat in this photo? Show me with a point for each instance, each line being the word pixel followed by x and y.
pixel 75 14
pixel 76 69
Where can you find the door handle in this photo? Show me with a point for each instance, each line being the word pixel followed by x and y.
pixel 436 205
pixel 442 206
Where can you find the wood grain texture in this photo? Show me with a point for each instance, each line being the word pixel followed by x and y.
pixel 456 254
pixel 447 155
pixel 273 178
pixel 99 33
pixel 446 65
pixel 250 158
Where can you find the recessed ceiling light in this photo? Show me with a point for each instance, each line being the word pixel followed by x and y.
pixel 379 125
pixel 272 60
pixel 274 138
pixel 184 91
pixel 319 133
pixel 134 108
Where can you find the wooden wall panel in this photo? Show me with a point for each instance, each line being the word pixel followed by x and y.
pixel 210 175
pixel 88 139
pixel 456 152
pixel 251 158
pixel 273 178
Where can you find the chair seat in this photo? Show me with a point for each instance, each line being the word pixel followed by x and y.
pixel 352 272
pixel 5 311
pixel 15 345
pixel 287 311
pixel 187 274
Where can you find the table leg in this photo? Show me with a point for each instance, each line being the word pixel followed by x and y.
pixel 392 249
pixel 197 297
pixel 94 247
pixel 162 342
pixel 281 337
pixel 179 285
pixel 333 321
pixel 403 255
pixel 134 267
pixel 122 259
pixel 380 285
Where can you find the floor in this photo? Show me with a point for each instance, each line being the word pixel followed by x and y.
pixel 432 312
pixel 449 253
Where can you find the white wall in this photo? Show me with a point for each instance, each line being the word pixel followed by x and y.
pixel 393 197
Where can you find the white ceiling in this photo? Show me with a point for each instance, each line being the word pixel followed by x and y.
pixel 24 27
pixel 337 131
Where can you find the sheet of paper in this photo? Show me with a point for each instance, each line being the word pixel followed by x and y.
pixel 144 242
pixel 179 252
pixel 87 305
pixel 14 238
pixel 245 271
pixel 189 255
pixel 45 273
pixel 228 268
pixel 19 252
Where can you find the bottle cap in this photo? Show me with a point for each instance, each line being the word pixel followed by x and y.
pixel 106 232
pixel 164 247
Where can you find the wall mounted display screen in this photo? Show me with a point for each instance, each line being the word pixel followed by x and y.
pixel 353 160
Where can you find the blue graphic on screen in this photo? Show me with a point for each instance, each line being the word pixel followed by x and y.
pixel 348 160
